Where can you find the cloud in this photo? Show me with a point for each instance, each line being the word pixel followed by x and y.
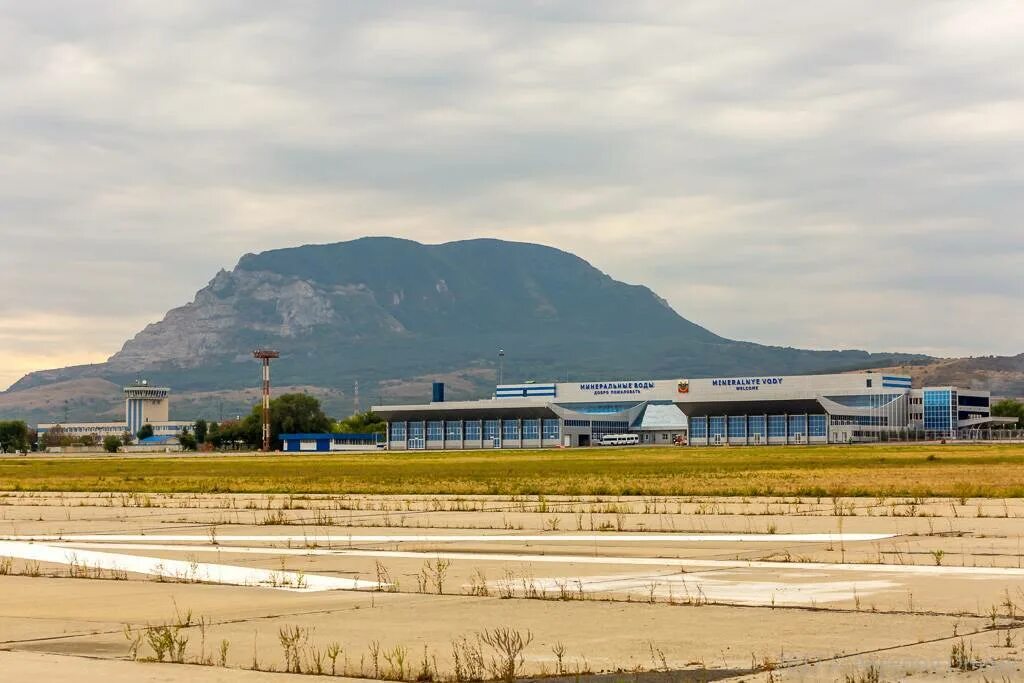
pixel 836 178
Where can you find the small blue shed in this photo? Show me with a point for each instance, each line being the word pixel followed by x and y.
pixel 322 443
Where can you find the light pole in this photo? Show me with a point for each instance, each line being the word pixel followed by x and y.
pixel 501 364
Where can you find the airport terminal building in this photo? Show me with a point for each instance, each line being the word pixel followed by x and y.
pixel 751 410
pixel 143 404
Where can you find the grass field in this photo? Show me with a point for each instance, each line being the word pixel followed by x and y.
pixel 951 470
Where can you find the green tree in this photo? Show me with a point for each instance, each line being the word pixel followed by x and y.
pixel 289 414
pixel 367 422
pixel 111 443
pixel 145 431
pixel 202 429
pixel 1009 407
pixel 13 436
pixel 188 441
pixel 55 436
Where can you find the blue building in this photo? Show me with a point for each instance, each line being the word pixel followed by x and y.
pixel 324 443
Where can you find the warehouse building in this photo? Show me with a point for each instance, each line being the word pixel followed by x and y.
pixel 751 410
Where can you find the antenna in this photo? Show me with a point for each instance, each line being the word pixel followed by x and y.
pixel 266 355
pixel 355 397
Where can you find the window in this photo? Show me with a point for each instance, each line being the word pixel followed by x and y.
pixel 453 430
pixel 776 425
pixel 797 425
pixel 716 426
pixel 699 428
pixel 434 430
pixel 737 426
pixel 816 425
pixel 755 425
pixel 551 430
pixel 510 430
pixel 490 430
pixel 472 430
pixel 531 429
pixel 577 423
pixel 415 430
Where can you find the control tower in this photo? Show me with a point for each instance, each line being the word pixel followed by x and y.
pixel 143 403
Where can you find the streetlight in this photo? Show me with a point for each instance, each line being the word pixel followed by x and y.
pixel 501 364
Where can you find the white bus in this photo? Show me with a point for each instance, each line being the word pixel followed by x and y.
pixel 620 439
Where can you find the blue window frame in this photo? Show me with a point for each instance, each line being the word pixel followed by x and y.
pixel 434 430
pixel 491 430
pixel 398 431
pixel 699 428
pixel 716 426
pixel 510 430
pixel 816 425
pixel 756 425
pixel 550 429
pixel 472 430
pixel 797 425
pixel 531 429
pixel 737 426
pixel 453 430
pixel 776 425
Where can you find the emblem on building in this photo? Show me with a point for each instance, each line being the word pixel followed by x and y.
pixel 683 387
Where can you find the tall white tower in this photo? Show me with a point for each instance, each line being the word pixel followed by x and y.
pixel 143 403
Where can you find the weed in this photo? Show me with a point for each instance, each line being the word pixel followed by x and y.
pixel 507 646
pixel 961 657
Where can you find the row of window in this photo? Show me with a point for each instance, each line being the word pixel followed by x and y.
pixel 741 426
pixel 475 430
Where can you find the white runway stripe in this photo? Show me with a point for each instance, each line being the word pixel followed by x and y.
pixel 930 570
pixel 325 539
pixel 179 570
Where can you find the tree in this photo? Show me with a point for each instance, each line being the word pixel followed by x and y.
pixel 111 443
pixel 289 414
pixel 145 431
pixel 367 422
pixel 126 438
pixel 88 440
pixel 188 441
pixel 13 436
pixel 1009 407
pixel 201 430
pixel 55 436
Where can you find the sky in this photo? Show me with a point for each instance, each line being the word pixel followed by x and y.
pixel 824 175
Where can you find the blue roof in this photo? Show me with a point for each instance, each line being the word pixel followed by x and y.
pixel 158 439
pixel 372 436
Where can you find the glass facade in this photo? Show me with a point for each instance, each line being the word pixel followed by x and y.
pixel 398 431
pixel 551 430
pixel 491 430
pixel 797 425
pixel 776 425
pixel 737 426
pixel 817 425
pixel 453 430
pixel 472 430
pixel 510 430
pixel 699 428
pixel 434 430
pixel 531 429
pixel 939 410
pixel 716 426
pixel 756 425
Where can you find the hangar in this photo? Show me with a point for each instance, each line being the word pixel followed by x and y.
pixel 749 410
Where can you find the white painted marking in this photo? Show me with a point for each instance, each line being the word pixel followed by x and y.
pixel 324 539
pixel 181 570
pixel 808 569
pixel 708 588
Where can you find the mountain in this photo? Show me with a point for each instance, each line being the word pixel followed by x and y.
pixel 1003 375
pixel 393 314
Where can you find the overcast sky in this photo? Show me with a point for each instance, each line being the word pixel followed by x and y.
pixel 825 175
